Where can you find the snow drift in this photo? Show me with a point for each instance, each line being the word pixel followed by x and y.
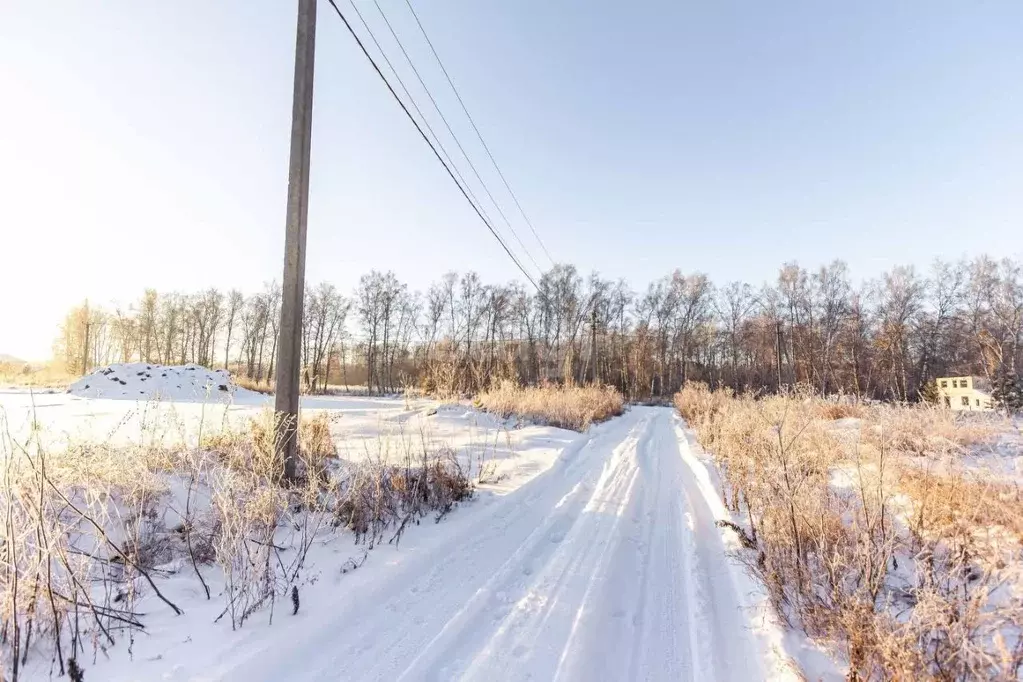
pixel 146 381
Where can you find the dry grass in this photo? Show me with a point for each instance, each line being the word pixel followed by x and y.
pixel 570 407
pixel 841 410
pixel 926 429
pixel 86 531
pixel 265 386
pixel 869 535
pixel 397 485
pixel 700 406
pixel 962 503
pixel 81 538
pixel 49 375
pixel 246 446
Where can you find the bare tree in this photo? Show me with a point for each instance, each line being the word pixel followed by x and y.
pixel 734 305
pixel 322 323
pixel 884 339
pixel 148 320
pixel 235 302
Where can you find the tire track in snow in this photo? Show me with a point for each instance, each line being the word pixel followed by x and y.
pixel 607 567
pixel 377 633
pixel 728 649
pixel 539 567
pixel 663 648
pixel 533 640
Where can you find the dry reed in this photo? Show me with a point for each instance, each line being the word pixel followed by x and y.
pixel 87 531
pixel 570 407
pixel 870 534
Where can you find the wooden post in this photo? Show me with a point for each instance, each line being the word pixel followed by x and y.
pixel 289 345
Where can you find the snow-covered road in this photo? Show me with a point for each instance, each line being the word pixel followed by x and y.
pixel 608 566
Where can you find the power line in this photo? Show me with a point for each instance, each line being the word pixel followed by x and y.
pixel 419 111
pixel 426 139
pixel 478 134
pixel 443 118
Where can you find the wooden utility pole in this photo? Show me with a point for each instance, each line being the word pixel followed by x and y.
pixel 289 345
pixel 777 349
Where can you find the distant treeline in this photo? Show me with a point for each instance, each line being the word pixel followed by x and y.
pixel 882 339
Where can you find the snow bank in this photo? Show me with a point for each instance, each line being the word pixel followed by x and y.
pixel 145 381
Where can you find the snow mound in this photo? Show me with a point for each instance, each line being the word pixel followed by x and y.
pixel 146 381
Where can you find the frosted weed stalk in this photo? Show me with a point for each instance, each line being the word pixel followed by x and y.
pixel 398 481
pixel 569 407
pixel 77 548
pixel 90 529
pixel 869 534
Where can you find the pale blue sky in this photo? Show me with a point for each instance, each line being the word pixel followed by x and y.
pixel 146 143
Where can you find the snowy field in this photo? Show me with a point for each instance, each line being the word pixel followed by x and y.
pixel 591 556
pixel 360 425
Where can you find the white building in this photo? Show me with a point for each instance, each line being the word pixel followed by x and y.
pixel 971 394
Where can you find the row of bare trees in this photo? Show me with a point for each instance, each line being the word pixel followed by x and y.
pixel 883 338
pixel 175 329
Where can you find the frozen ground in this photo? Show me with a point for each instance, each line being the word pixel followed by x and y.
pixel 596 557
pixel 998 459
pixel 1002 459
pixel 361 426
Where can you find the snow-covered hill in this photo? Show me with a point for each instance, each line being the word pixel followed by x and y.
pixel 145 381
